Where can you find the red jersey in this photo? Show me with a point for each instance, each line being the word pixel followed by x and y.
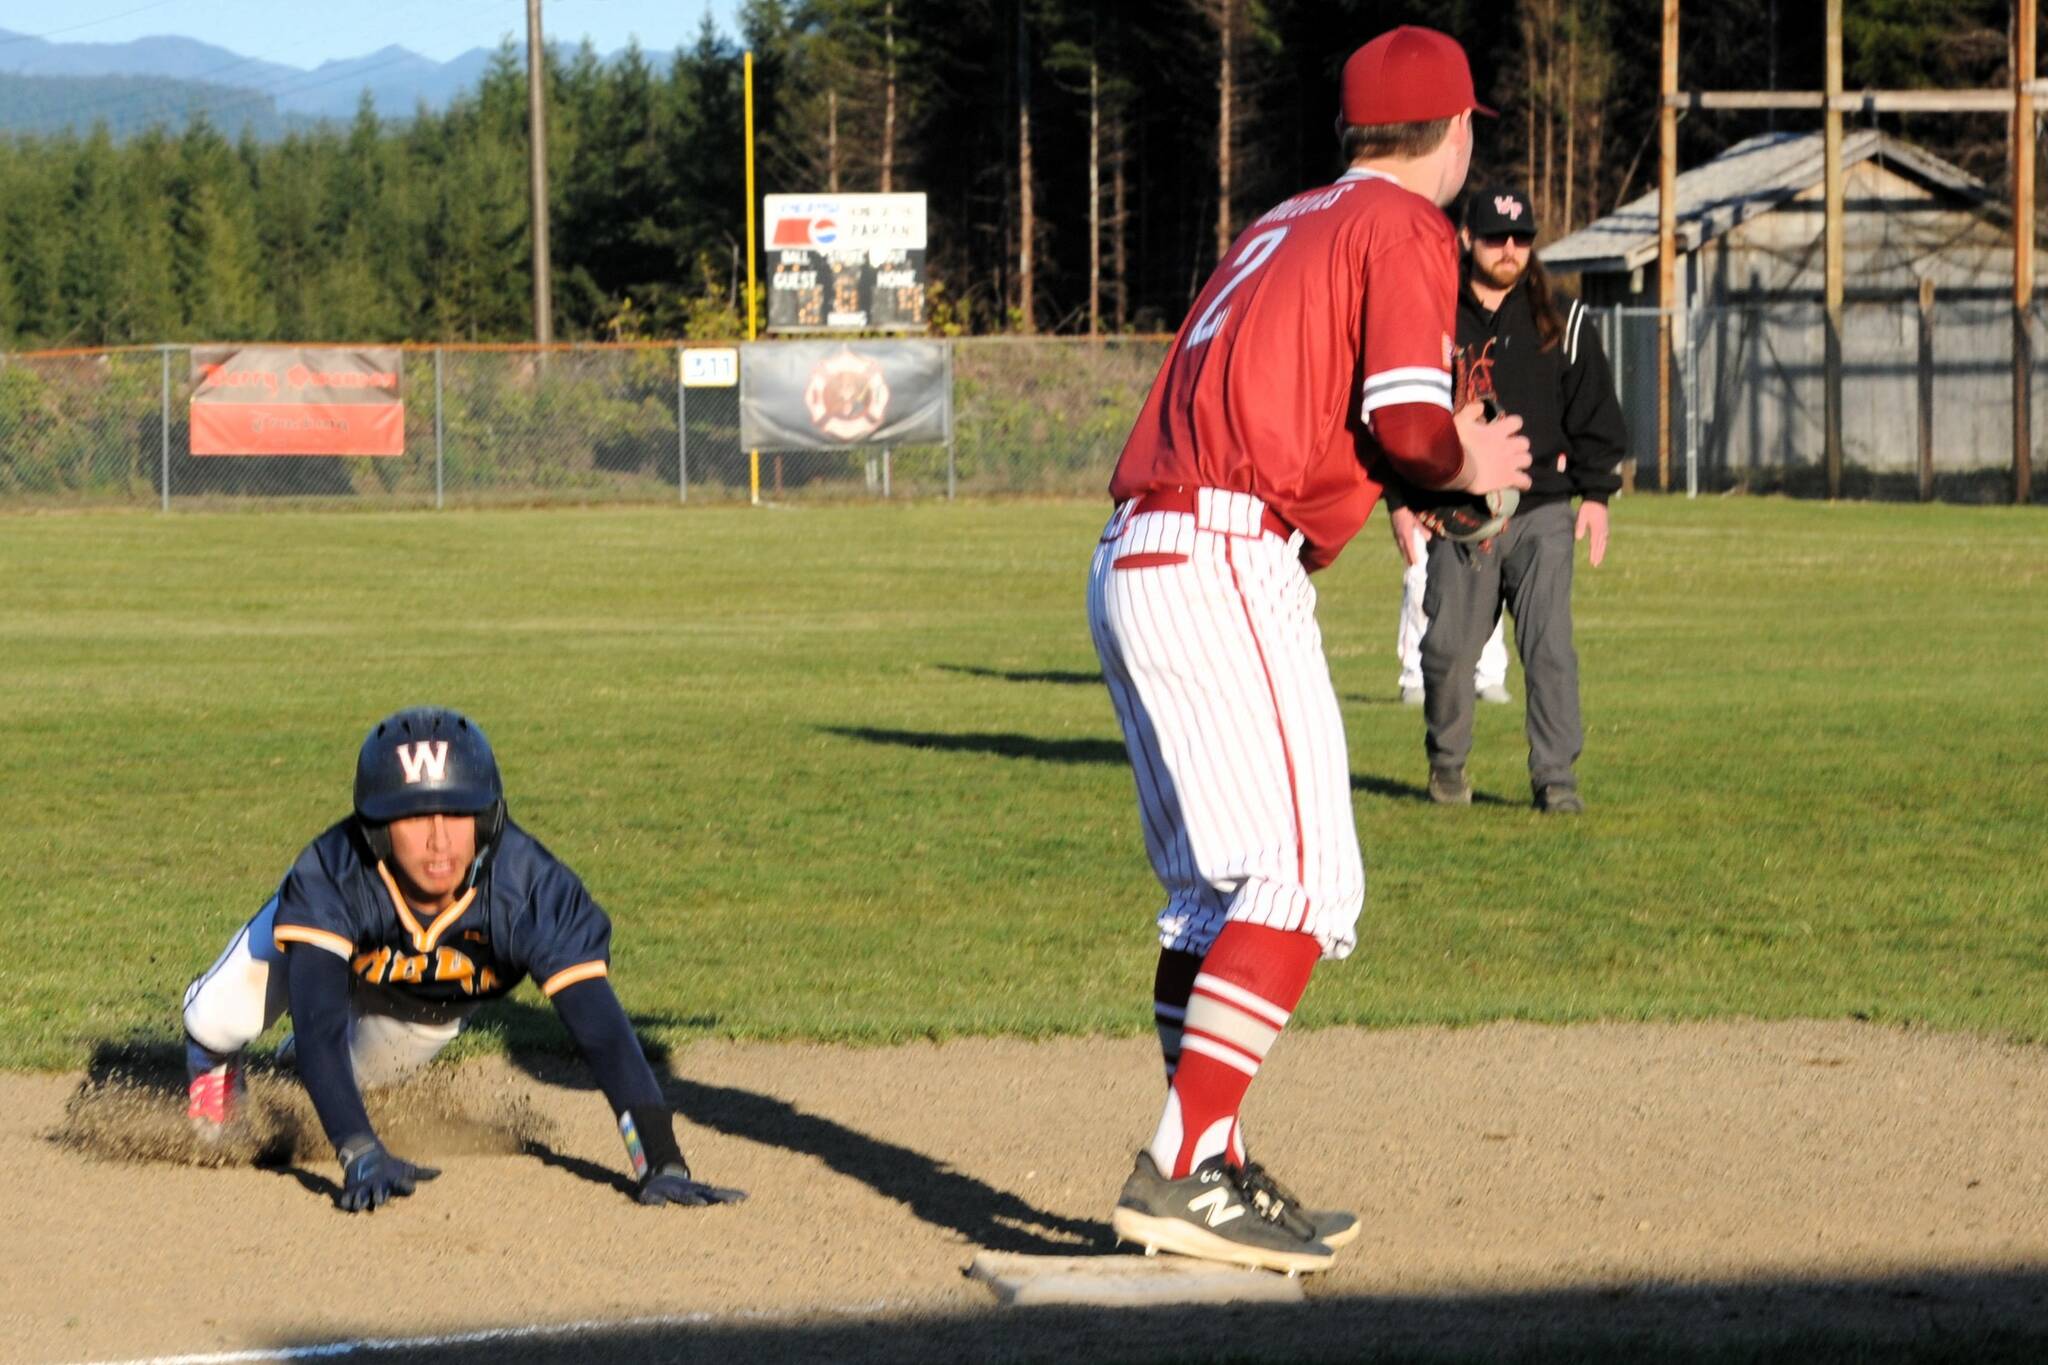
pixel 1340 301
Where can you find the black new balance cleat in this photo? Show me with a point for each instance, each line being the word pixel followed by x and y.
pixel 1334 1228
pixel 1210 1214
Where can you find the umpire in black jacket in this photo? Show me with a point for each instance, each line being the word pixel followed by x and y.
pixel 1519 352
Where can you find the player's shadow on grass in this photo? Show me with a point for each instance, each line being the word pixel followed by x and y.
pixel 1107 751
pixel 1361 699
pixel 1395 790
pixel 1065 677
pixel 941 1196
pixel 1002 745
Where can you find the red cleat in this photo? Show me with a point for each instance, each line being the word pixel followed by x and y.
pixel 212 1098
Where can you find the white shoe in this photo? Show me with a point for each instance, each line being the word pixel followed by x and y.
pixel 1495 692
pixel 1411 696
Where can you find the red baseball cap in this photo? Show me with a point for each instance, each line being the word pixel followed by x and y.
pixel 1409 75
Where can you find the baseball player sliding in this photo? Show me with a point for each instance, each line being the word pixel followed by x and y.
pixel 390 929
pixel 1322 342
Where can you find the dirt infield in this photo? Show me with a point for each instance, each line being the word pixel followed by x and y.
pixel 1807 1190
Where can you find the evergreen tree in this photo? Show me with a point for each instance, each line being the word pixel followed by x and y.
pixel 216 255
pixel 143 273
pixel 478 271
pixel 34 233
pixel 89 281
pixel 290 208
pixel 419 228
pixel 706 160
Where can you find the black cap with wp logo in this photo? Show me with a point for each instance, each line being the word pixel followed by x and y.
pixel 1499 209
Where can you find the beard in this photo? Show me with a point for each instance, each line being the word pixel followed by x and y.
pixel 1505 273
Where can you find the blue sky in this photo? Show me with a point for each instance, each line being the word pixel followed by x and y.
pixel 306 35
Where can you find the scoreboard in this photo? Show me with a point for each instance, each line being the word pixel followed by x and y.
pixel 845 262
pixel 862 291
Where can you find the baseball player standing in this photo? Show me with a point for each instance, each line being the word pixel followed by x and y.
pixel 1519 351
pixel 390 929
pixel 1411 542
pixel 1323 339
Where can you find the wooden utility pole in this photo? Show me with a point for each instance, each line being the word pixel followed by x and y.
pixel 1925 371
pixel 1667 239
pixel 2024 16
pixel 537 173
pixel 1831 174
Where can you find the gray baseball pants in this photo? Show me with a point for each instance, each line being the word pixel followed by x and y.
pixel 1527 569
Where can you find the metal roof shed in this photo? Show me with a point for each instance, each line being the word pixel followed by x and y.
pixel 1749 312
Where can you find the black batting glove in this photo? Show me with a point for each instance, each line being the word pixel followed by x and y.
pixel 373 1177
pixel 674 1185
pixel 658 1165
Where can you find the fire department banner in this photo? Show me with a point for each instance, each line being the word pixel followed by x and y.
pixel 831 395
pixel 297 400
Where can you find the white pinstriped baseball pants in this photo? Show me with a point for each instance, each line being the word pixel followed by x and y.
pixel 1206 628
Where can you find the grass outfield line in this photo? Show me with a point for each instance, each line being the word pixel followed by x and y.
pixel 846 773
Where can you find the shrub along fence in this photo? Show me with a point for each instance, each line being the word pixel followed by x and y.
pixel 487 424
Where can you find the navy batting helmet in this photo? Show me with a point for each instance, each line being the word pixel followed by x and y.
pixel 428 760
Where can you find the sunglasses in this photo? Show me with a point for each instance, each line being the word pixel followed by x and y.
pixel 1494 241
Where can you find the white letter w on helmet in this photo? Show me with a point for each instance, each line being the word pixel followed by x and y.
pixel 428 759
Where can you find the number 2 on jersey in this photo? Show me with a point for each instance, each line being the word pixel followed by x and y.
pixel 1251 258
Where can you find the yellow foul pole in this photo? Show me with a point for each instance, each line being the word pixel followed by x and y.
pixel 753 456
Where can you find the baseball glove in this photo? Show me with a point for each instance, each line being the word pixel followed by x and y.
pixel 1465 518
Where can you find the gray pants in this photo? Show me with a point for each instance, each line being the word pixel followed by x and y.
pixel 1528 569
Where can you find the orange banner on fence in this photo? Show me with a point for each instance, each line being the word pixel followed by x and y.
pixel 279 400
pixel 297 429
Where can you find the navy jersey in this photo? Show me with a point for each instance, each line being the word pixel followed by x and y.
pixel 528 915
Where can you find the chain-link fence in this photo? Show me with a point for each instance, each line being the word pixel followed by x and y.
pixel 1031 415
pixel 1927 406
pixel 481 425
pixel 524 424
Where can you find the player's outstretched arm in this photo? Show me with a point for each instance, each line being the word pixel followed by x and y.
pixel 605 1037
pixel 371 1175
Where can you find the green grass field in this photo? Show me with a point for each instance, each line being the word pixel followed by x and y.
pixel 846 772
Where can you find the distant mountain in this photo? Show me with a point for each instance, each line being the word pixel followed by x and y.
pixel 185 59
pixel 397 79
pixel 128 105
pixel 132 85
